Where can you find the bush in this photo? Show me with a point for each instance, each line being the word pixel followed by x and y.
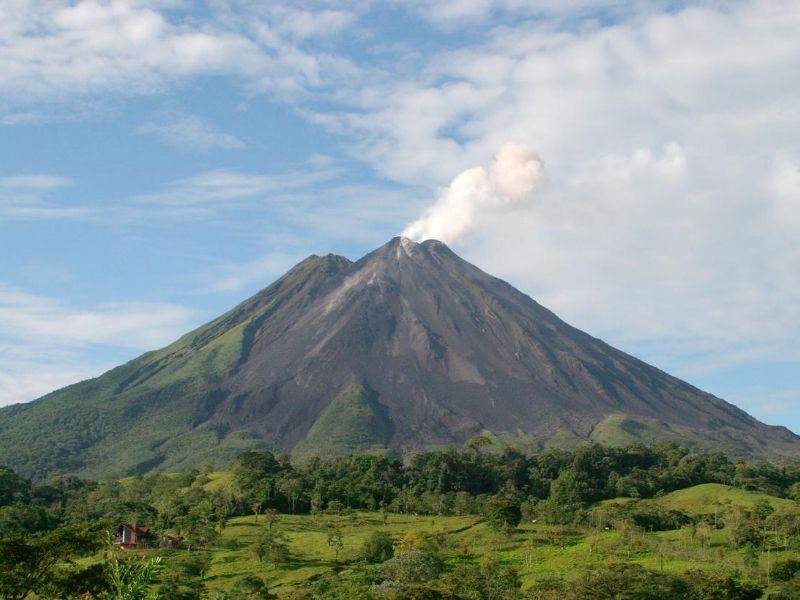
pixel 784 570
pixel 250 587
pixel 378 547
pixel 412 567
pixel 489 581
pixel 656 518
pixel 628 581
pixel 717 586
pixel 390 590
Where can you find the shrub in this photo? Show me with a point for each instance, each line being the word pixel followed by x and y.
pixel 784 570
pixel 378 547
pixel 410 567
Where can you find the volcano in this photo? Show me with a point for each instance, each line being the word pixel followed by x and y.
pixel 409 348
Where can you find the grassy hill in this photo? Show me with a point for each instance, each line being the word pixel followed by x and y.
pixel 704 499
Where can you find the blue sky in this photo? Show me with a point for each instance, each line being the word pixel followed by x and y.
pixel 162 160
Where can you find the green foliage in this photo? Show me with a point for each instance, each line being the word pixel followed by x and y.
pixel 391 590
pixel 628 582
pixel 353 423
pixel 784 570
pixel 719 586
pixel 489 581
pixel 335 539
pixel 634 582
pixel 413 567
pixel 28 562
pixel 246 587
pixel 13 487
pixel 271 546
pixel 712 526
pixel 183 576
pixel 130 579
pixel 378 547
pixel 651 516
pixel 789 590
pixel 503 513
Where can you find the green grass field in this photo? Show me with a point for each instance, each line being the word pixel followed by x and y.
pixel 538 552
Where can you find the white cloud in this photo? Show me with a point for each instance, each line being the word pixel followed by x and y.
pixel 23 378
pixel 36 182
pixel 784 183
pixel 49 322
pixel 220 187
pixel 46 343
pixel 452 13
pixel 58 50
pixel 190 132
pixel 306 23
pixel 22 198
pixel 669 213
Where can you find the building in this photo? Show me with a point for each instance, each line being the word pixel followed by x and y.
pixel 129 536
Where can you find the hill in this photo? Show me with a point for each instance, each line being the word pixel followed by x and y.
pixel 409 347
pixel 708 497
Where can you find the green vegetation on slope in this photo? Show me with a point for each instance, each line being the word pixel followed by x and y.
pixel 353 423
pixel 708 497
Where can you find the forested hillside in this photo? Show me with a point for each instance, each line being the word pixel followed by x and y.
pixel 658 522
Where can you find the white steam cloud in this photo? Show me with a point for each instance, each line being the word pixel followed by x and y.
pixel 509 181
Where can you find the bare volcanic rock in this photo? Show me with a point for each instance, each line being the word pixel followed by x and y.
pixel 407 348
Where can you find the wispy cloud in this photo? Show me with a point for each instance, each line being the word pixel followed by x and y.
pixel 35 182
pixel 189 132
pixel 45 343
pixel 24 197
pixel 29 372
pixel 221 187
pixel 48 321
pixel 234 277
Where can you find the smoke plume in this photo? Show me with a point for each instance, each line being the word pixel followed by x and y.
pixel 509 181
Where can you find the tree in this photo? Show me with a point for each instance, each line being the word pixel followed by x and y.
pixel 503 513
pixel 272 517
pixel 196 530
pixel 292 488
pixel 412 541
pixel 13 488
pixel 476 442
pixel 784 570
pixel 272 546
pixel 335 540
pixel 27 561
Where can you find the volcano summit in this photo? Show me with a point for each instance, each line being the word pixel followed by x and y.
pixel 410 347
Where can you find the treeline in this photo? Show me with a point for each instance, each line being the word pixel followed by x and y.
pixel 555 484
pixel 560 482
